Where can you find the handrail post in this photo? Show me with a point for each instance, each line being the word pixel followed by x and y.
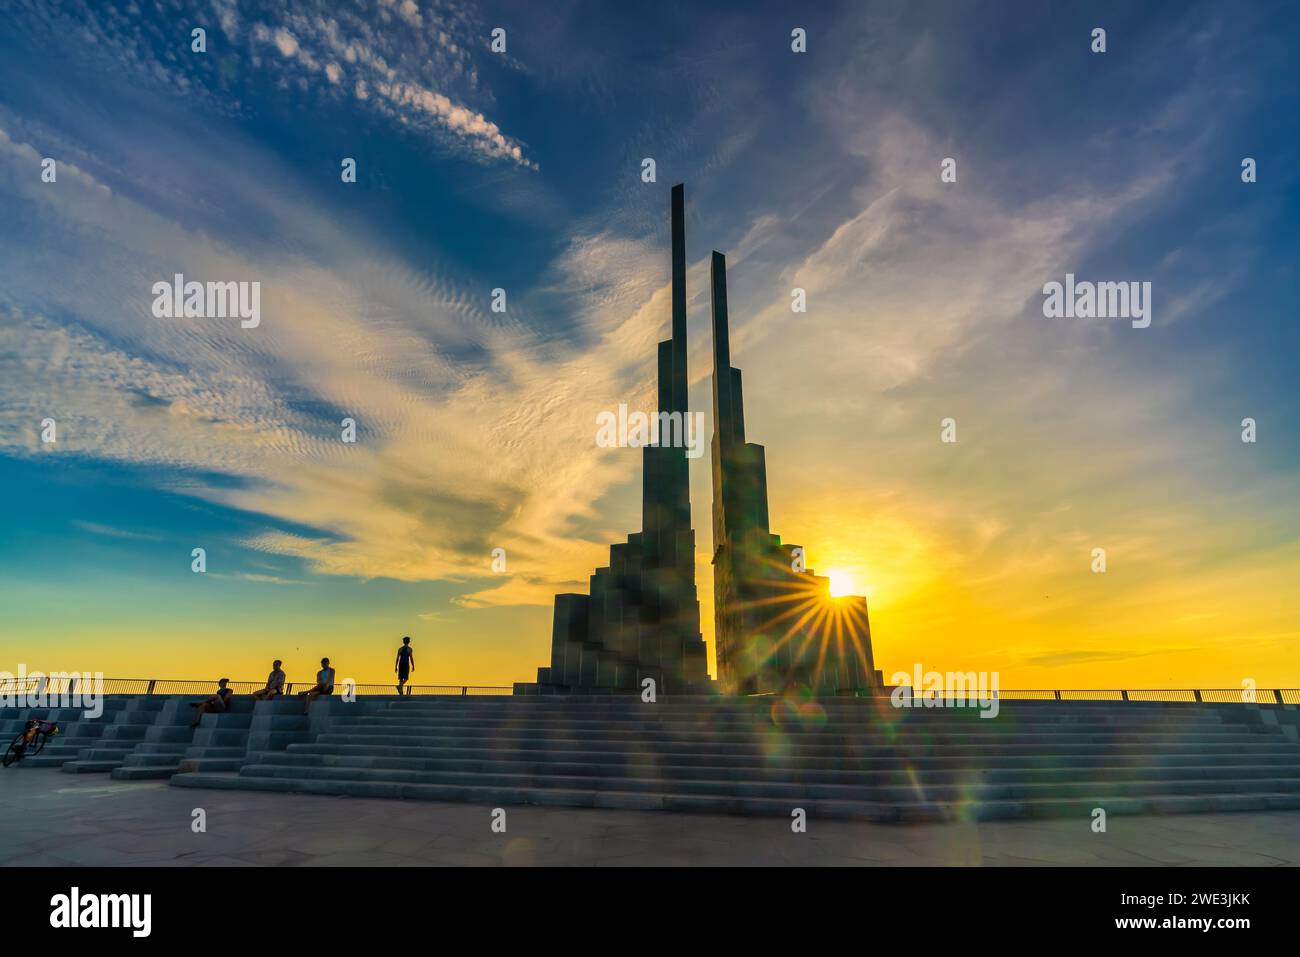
pixel 1197 692
pixel 152 682
pixel 1057 694
pixel 1124 694
pixel 288 687
pixel 1277 693
pixel 464 690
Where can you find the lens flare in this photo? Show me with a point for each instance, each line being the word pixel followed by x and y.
pixel 841 583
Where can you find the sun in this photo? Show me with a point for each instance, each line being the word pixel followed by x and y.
pixel 841 582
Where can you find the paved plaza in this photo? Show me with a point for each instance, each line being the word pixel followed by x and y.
pixel 48 818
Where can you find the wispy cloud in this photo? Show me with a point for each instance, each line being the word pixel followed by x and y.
pixel 108 531
pixel 397 72
pixel 453 459
pixel 412 65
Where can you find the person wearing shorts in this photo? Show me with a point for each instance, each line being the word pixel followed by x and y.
pixel 405 664
pixel 324 684
pixel 214 704
pixel 274 684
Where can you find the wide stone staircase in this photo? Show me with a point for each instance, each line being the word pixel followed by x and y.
pixel 835 758
pixel 221 741
pixel 121 721
pixel 144 722
pixel 149 736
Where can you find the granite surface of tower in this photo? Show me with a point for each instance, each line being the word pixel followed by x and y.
pixel 777 628
pixel 641 617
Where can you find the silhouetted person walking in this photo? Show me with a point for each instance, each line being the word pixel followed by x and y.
pixel 405 664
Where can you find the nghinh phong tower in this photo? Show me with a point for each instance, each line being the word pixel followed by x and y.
pixel 642 616
pixel 778 628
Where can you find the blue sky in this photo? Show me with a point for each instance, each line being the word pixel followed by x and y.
pixel 521 171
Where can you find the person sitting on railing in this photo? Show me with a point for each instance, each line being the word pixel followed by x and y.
pixel 324 684
pixel 213 704
pixel 274 684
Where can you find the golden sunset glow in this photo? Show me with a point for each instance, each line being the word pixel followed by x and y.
pixel 841 583
pixel 389 454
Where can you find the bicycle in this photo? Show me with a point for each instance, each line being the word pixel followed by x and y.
pixel 30 740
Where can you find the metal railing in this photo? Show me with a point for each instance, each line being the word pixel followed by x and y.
pixel 33 685
pixel 59 684
pixel 1204 695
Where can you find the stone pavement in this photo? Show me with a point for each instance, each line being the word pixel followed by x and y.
pixel 53 819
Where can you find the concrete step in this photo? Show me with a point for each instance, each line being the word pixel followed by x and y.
pixel 53 756
pixel 996 726
pixel 273 722
pixel 894 812
pixel 797 790
pixel 136 759
pixel 64 743
pixel 903 774
pixel 1251 745
pixel 81 766
pixel 125 732
pixel 278 740
pixel 81 730
pixel 845 723
pixel 160 747
pixel 188 764
pixel 221 737
pixel 43 761
pixel 854 715
pixel 142 772
pixel 157 766
pixel 206 752
pixel 103 753
pixel 168 734
pixel 731 758
pixel 560 733
pixel 376 723
pixel 227 721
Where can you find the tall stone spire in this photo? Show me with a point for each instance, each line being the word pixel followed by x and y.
pixel 776 625
pixel 666 493
pixel 679 299
pixel 642 618
pixel 722 410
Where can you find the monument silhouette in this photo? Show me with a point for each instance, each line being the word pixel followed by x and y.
pixel 642 616
pixel 775 623
pixel 777 626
